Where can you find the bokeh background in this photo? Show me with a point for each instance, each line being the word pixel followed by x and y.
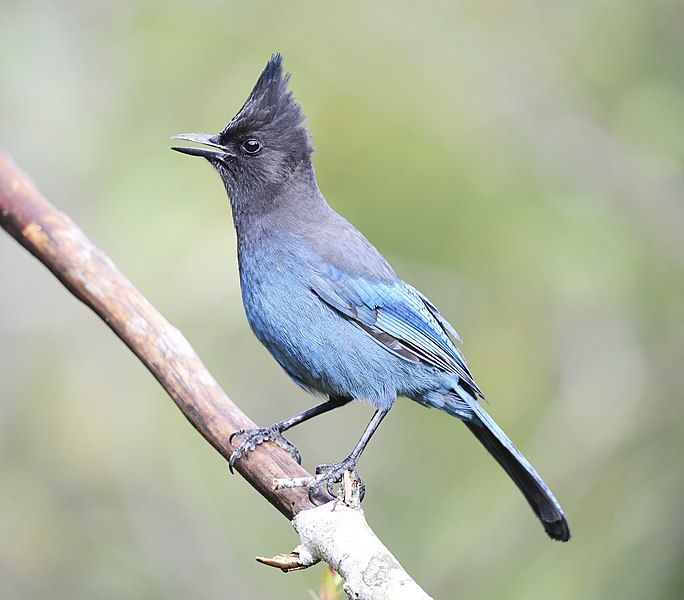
pixel 521 163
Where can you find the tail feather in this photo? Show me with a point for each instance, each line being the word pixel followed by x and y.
pixel 537 493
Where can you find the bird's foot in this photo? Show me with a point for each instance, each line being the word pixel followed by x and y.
pixel 251 438
pixel 329 475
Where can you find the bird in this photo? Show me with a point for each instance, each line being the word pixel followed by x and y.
pixel 326 304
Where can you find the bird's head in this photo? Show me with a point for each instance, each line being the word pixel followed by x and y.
pixel 264 145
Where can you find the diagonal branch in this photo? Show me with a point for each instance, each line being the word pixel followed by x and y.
pixel 370 569
pixel 92 277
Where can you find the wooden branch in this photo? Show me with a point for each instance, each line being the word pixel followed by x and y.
pixel 92 277
pixel 341 536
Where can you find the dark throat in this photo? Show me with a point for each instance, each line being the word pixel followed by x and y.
pixel 265 212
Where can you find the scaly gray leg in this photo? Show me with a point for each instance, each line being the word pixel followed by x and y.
pixel 251 438
pixel 333 472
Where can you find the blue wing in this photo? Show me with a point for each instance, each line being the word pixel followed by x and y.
pixel 398 317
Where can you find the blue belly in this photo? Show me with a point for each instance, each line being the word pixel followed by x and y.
pixel 326 353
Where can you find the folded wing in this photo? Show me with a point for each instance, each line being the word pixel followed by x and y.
pixel 398 317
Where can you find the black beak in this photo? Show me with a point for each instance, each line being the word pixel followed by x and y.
pixel 215 151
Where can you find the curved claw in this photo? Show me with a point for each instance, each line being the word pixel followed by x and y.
pixel 289 447
pixel 330 475
pixel 362 487
pixel 231 461
pixel 254 437
pixel 236 433
pixel 312 491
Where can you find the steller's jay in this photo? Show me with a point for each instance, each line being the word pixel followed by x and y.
pixel 327 305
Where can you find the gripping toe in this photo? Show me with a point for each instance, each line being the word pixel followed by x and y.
pixel 251 438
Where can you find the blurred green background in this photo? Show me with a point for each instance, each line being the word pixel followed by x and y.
pixel 521 163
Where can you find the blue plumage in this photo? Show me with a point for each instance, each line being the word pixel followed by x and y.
pixel 327 305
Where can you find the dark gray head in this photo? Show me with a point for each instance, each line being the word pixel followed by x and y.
pixel 264 146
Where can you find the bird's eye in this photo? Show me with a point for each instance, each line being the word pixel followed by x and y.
pixel 251 146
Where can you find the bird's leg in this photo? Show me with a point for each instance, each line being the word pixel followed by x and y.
pixel 332 473
pixel 251 438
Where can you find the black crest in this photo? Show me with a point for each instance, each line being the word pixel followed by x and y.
pixel 271 108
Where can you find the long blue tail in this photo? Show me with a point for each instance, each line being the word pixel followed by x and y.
pixel 537 493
